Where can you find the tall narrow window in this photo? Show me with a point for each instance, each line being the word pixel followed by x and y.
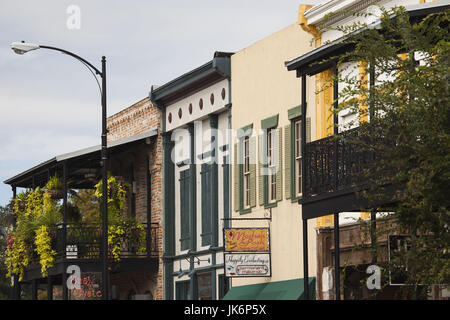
pixel 204 286
pixel 206 204
pixel 271 161
pixel 246 172
pixel 298 157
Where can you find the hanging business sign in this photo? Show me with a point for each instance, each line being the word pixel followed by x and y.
pixel 247 265
pixel 246 239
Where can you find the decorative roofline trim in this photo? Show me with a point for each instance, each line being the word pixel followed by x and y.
pixel 316 15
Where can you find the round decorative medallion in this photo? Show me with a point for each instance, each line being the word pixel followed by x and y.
pixel 201 104
pixel 170 117
pixel 190 108
pixel 180 113
pixel 212 98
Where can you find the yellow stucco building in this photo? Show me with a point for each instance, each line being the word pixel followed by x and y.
pixel 266 173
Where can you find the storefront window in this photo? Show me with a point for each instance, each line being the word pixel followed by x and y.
pixel 204 285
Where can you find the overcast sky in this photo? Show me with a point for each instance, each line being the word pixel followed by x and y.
pixel 50 103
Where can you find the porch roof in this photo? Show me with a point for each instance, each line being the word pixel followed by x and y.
pixel 85 158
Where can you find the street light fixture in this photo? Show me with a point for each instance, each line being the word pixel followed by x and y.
pixel 23 47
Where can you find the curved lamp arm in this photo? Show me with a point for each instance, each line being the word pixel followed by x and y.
pixel 24 47
pixel 75 56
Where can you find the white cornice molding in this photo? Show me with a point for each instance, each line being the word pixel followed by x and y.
pixel 341 8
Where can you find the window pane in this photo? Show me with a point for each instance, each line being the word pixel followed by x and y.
pixel 182 290
pixel 247 190
pixel 298 139
pixel 246 155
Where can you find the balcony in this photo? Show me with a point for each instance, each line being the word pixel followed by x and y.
pixel 334 171
pixel 82 247
pixel 332 164
pixel 84 242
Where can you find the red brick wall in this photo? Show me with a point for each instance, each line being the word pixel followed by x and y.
pixel 140 117
pixel 137 118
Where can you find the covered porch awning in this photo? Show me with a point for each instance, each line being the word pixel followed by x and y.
pixel 278 290
pixel 84 165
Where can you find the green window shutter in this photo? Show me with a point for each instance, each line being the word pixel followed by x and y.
pixel 252 155
pixel 287 161
pixel 236 179
pixel 206 234
pixel 308 129
pixel 260 170
pixel 279 174
pixel 184 209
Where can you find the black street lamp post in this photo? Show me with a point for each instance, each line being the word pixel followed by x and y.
pixel 21 48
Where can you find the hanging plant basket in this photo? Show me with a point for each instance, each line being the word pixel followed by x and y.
pixel 55 193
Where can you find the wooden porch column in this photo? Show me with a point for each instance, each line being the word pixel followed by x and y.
pixel 337 262
pixel 305 221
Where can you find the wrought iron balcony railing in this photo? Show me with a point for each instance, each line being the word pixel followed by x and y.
pixel 333 164
pixel 83 241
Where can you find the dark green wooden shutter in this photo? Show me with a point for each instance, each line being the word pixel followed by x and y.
pixel 184 209
pixel 226 189
pixel 287 161
pixel 206 186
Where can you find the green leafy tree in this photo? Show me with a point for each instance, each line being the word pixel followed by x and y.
pixel 405 146
pixel 87 204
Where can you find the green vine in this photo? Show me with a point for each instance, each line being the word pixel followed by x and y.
pixel 44 249
pixel 115 234
pixel 120 229
pixel 17 256
pixel 37 216
pixel 38 213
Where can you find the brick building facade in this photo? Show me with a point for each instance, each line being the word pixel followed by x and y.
pixel 131 121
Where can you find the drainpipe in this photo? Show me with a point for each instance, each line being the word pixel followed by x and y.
pixel 302 21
